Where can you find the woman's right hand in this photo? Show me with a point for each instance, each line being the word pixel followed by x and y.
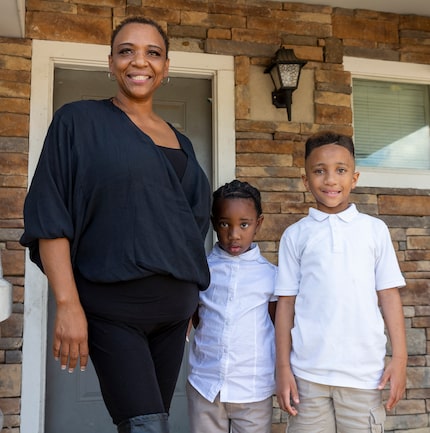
pixel 70 345
pixel 71 329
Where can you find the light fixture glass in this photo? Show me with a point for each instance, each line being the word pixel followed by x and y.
pixel 289 74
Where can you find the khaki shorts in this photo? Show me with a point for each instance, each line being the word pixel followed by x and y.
pixel 217 417
pixel 334 409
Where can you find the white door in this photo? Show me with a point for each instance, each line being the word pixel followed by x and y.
pixel 73 401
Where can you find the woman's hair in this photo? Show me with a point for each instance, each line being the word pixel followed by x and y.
pixel 328 137
pixel 237 189
pixel 140 20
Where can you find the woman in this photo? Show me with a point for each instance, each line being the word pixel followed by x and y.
pixel 116 218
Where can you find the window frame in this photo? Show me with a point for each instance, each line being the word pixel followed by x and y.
pixel 401 72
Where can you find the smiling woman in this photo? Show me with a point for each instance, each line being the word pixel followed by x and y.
pixel 107 177
pixel 139 62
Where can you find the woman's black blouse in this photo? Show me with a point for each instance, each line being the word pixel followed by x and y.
pixel 104 185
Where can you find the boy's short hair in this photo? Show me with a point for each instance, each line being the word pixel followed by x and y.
pixel 328 137
pixel 237 189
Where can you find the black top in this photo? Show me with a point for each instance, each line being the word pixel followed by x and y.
pixel 178 159
pixel 103 184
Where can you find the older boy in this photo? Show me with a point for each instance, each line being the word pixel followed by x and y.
pixel 334 266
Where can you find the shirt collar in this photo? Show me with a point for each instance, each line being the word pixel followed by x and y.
pixel 347 215
pixel 251 254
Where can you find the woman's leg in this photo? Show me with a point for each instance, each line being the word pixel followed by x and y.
pixel 125 369
pixel 137 360
pixel 153 423
pixel 137 366
pixel 166 343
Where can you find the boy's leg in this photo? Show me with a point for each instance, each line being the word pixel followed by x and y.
pixel 315 411
pixel 358 410
pixel 205 416
pixel 253 417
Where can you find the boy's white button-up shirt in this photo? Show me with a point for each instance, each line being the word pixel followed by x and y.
pixel 233 352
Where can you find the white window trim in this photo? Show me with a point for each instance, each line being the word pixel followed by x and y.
pixel 46 55
pixel 390 71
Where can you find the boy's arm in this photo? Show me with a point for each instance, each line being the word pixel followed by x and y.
pixel 286 388
pixel 395 372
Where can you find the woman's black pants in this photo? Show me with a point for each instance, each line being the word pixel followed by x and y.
pixel 136 335
pixel 137 366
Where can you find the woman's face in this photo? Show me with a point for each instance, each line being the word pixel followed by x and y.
pixel 138 60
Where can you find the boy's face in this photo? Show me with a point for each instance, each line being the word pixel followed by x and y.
pixel 330 177
pixel 236 223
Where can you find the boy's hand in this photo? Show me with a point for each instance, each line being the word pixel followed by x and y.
pixel 395 373
pixel 286 390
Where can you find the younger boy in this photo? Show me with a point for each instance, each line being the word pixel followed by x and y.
pixel 334 266
pixel 232 359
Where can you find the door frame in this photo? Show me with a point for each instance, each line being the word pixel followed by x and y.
pixel 46 56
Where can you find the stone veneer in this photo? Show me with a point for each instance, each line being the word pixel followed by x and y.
pixel 269 153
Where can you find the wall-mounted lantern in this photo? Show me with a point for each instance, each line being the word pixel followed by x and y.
pixel 285 73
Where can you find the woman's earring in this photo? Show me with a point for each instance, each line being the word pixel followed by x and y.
pixel 165 80
pixel 111 76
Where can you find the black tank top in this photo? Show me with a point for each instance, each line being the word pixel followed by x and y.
pixel 177 158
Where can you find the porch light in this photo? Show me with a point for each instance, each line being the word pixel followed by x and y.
pixel 285 73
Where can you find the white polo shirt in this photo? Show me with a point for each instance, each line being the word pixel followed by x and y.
pixel 334 264
pixel 233 352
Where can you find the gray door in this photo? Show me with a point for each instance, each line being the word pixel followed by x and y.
pixel 73 401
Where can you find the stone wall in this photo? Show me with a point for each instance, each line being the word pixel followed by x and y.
pixel 269 153
pixel 15 70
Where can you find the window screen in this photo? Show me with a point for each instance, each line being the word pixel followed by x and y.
pixel 391 124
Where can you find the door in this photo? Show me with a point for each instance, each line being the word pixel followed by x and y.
pixel 73 401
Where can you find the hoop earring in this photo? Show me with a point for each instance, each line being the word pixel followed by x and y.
pixel 165 81
pixel 111 76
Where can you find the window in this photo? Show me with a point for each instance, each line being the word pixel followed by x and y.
pixel 391 118
pixel 391 124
